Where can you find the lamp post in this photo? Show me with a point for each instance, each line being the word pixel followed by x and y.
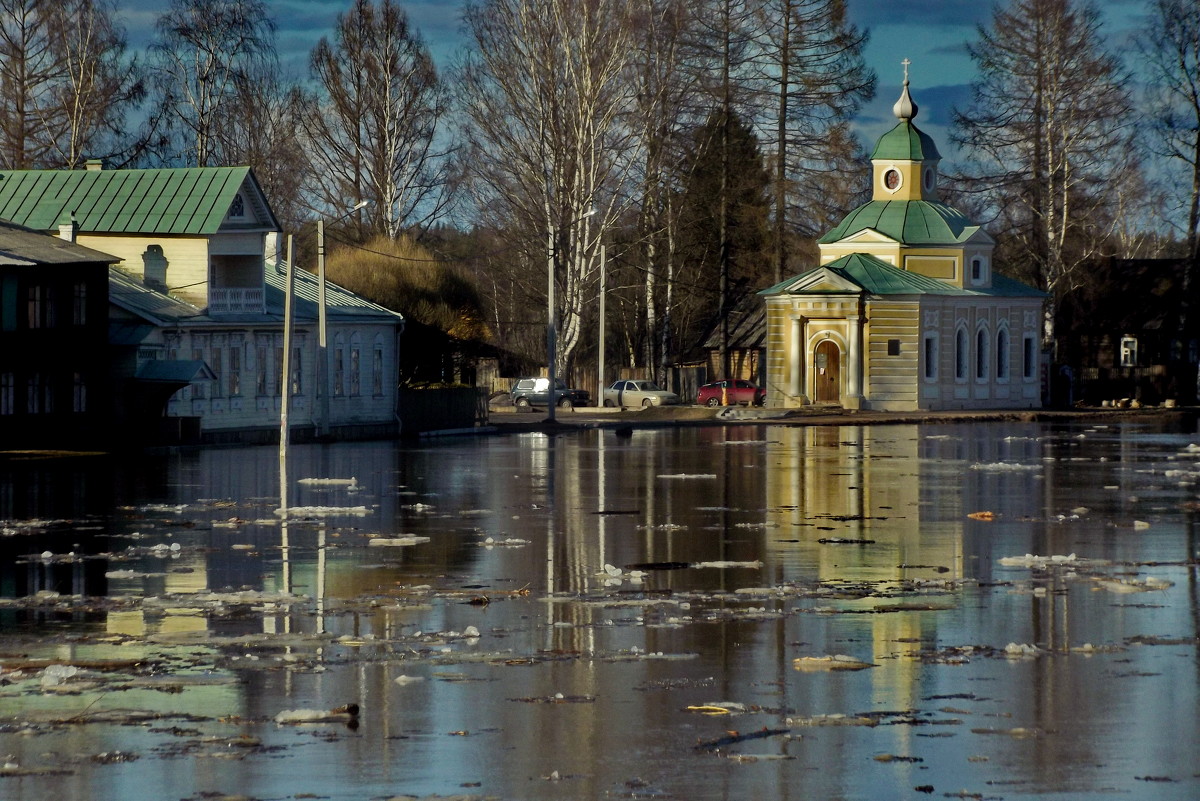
pixel 322 339
pixel 552 315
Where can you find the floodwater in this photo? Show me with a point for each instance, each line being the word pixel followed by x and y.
pixel 988 611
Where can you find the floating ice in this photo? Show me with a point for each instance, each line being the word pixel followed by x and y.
pixel 349 483
pixel 396 542
pixel 1006 467
pixel 1039 562
pixel 323 511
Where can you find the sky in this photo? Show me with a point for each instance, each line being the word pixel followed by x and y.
pixel 932 34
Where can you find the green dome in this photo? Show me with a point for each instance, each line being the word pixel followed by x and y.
pixel 906 142
pixel 910 222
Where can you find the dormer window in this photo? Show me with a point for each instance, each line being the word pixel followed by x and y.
pixel 237 209
pixel 976 269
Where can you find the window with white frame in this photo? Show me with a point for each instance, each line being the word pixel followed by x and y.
pixel 929 351
pixel 260 367
pixel 235 370
pixel 297 371
pixel 377 370
pixel 339 367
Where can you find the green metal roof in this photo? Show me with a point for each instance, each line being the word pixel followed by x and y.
pixel 910 222
pixel 877 277
pixel 906 142
pixel 191 200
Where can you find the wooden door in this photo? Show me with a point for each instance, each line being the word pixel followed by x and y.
pixel 827 373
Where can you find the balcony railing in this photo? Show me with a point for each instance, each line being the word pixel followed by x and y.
pixel 236 300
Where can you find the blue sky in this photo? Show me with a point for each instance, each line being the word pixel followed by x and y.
pixel 932 34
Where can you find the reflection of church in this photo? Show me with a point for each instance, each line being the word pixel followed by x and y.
pixel 905 312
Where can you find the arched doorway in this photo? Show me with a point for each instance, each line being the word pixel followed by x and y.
pixel 827 373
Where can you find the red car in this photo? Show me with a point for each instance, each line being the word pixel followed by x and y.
pixel 737 392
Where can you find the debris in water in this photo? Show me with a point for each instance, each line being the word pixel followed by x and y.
pixel 341 714
pixel 832 662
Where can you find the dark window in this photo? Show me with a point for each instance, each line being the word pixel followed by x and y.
pixel 893 347
pixel 981 354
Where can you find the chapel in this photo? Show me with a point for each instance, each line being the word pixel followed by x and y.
pixel 904 311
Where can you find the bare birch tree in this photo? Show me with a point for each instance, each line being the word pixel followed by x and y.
pixel 1170 50
pixel 546 90
pixel 664 88
pixel 721 55
pixel 204 51
pixel 378 131
pixel 812 79
pixel 30 65
pixel 260 127
pixel 66 87
pixel 99 88
pixel 1047 133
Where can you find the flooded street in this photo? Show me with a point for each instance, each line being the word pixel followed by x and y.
pixel 894 612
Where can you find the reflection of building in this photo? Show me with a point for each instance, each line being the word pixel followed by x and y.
pixel 905 311
pixel 857 485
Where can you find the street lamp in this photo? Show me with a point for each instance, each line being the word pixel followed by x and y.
pixel 551 315
pixel 322 340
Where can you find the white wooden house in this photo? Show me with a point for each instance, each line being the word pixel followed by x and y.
pixel 196 306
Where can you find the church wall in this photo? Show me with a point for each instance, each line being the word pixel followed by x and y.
pixel 893 351
pixel 947 388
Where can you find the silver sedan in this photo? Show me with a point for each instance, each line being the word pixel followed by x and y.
pixel 638 393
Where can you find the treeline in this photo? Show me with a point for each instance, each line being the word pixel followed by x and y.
pixel 687 150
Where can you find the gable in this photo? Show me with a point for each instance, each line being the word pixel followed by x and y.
pixel 819 280
pixel 192 201
pixel 867 236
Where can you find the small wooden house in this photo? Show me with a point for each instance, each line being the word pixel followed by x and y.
pixel 196 319
pixel 54 387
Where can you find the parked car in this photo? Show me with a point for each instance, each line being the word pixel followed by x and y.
pixel 638 393
pixel 736 392
pixel 536 392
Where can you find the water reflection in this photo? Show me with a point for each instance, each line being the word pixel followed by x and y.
pixel 501 651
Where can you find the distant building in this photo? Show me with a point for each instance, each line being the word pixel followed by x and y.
pixel 197 306
pixel 905 311
pixel 54 383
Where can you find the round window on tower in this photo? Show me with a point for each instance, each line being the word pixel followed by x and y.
pixel 891 179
